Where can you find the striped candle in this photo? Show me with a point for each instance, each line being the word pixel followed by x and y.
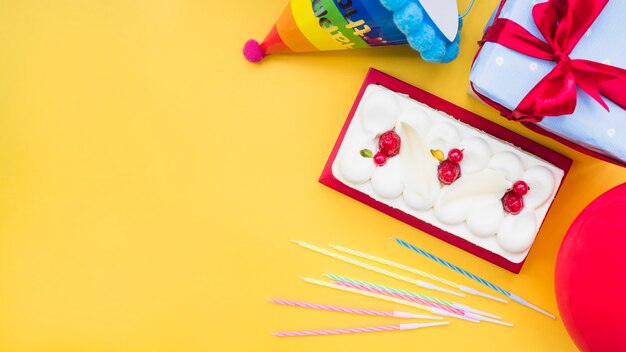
pixel 461 314
pixel 358 330
pixel 419 283
pixel 376 295
pixel 452 266
pixel 512 296
pixel 404 297
pixel 413 294
pixel 395 314
pixel 387 288
pixel 463 288
pixel 396 265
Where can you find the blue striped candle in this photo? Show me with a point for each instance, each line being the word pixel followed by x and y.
pixel 512 296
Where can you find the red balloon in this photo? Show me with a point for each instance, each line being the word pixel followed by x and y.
pixel 590 278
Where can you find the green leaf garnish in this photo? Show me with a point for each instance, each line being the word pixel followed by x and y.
pixel 366 153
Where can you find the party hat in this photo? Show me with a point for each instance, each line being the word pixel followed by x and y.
pixel 429 26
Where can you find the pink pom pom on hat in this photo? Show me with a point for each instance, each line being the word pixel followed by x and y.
pixel 253 51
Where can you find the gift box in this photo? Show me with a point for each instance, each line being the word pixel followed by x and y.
pixel 425 125
pixel 589 50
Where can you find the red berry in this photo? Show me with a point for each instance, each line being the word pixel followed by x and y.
pixel 512 202
pixel 448 172
pixel 455 155
pixel 389 143
pixel 380 159
pixel 520 187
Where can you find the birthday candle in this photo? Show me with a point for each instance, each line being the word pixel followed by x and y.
pixel 413 294
pixel 357 330
pixel 463 288
pixel 395 313
pixel 511 295
pixel 376 269
pixel 461 314
pixel 382 297
pixel 405 297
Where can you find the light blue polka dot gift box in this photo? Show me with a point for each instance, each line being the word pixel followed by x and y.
pixel 503 77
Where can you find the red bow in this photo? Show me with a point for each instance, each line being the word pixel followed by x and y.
pixel 562 23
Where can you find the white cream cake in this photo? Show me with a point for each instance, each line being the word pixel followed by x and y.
pixel 471 207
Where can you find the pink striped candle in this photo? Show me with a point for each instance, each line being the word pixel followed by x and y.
pixel 456 311
pixel 395 314
pixel 404 297
pixel 357 330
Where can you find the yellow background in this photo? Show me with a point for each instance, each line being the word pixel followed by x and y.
pixel 150 179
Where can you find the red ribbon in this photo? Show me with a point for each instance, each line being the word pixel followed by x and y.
pixel 561 23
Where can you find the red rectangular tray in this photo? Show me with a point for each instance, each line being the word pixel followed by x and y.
pixel 376 77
